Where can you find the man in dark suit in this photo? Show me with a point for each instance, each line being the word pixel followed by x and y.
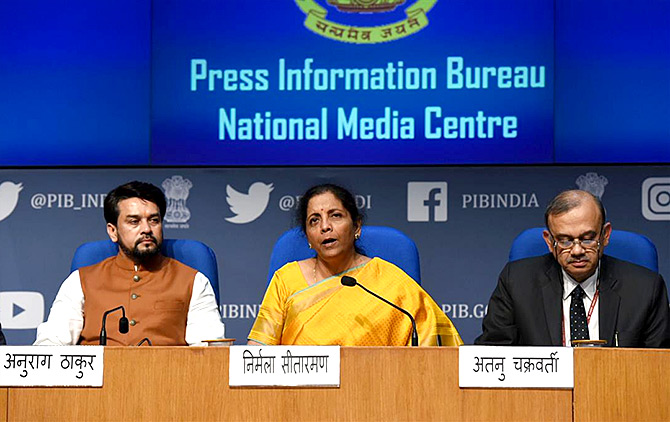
pixel 576 292
pixel 2 337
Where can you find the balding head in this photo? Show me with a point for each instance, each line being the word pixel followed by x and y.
pixel 571 199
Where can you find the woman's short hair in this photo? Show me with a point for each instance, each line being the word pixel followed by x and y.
pixel 346 198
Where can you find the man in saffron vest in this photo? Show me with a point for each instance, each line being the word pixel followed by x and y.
pixel 165 301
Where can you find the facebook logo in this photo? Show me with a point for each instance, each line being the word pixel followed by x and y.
pixel 426 201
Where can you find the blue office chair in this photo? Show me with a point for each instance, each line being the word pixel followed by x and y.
pixel 387 243
pixel 195 254
pixel 628 246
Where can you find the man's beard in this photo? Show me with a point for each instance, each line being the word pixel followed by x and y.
pixel 141 255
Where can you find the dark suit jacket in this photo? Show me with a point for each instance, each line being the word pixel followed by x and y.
pixel 2 337
pixel 526 306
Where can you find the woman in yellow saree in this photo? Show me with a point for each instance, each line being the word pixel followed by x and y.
pixel 306 303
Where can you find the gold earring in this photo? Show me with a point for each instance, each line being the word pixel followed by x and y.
pixel 310 245
pixel 357 236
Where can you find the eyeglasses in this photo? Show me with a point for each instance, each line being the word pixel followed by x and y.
pixel 568 244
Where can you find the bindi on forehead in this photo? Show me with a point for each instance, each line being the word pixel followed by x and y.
pixel 325 210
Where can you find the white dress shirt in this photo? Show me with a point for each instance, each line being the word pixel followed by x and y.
pixel 590 286
pixel 66 317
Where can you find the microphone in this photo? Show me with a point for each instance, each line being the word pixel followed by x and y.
pixel 145 340
pixel 351 282
pixel 123 324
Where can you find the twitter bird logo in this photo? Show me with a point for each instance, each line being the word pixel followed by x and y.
pixel 9 197
pixel 248 207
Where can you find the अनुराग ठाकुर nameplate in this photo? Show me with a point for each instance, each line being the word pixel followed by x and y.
pixel 51 366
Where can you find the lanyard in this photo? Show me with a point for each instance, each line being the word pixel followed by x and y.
pixel 588 317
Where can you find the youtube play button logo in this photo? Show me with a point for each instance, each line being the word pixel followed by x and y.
pixel 21 310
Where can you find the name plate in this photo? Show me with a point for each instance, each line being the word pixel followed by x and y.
pixel 284 366
pixel 515 367
pixel 51 366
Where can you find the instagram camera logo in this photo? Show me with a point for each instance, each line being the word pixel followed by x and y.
pixel 426 201
pixel 656 198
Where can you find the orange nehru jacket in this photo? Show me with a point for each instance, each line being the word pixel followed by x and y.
pixel 156 299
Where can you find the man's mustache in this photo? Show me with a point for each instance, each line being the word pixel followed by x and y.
pixel 581 259
pixel 149 237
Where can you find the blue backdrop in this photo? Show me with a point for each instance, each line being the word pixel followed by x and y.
pixel 128 83
pixel 461 256
pixel 94 84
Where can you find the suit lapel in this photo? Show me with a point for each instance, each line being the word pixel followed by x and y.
pixel 552 298
pixel 609 303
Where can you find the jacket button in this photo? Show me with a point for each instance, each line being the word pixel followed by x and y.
pixel 133 296
pixel 133 322
pixel 136 277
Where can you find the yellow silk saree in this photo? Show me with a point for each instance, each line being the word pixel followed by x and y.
pixel 328 313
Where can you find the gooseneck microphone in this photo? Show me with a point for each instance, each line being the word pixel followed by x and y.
pixel 145 340
pixel 351 282
pixel 123 324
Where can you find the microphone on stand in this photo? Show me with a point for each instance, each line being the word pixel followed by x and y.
pixel 351 282
pixel 123 324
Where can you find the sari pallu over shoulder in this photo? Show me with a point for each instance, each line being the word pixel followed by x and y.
pixel 328 313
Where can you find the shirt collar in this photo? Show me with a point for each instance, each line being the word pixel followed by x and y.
pixel 589 285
